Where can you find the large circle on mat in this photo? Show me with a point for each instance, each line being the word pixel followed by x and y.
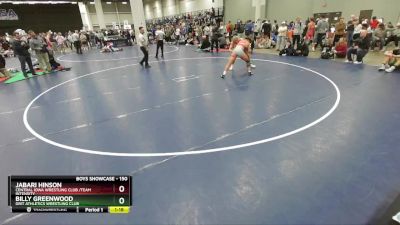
pixel 203 151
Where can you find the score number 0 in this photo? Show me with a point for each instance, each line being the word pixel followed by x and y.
pixel 121 200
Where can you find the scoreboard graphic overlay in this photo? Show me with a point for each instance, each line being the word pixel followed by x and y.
pixel 70 194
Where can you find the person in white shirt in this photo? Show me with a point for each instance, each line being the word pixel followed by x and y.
pixel 60 42
pixel 143 43
pixel 160 41
pixel 77 42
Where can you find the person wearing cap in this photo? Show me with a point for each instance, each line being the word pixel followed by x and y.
pixel 282 36
pixel 21 47
pixel 360 48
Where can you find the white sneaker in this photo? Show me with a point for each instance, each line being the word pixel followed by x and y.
pixel 357 62
pixel 347 61
pixel 231 67
pixel 391 69
pixel 253 66
pixel 383 67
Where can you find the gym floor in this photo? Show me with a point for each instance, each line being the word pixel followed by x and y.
pixel 303 141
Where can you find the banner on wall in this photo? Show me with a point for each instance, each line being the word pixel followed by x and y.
pixel 8 14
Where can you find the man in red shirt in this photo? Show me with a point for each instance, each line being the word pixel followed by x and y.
pixel 229 30
pixel 374 23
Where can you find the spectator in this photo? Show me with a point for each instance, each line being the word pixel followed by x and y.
pixel 214 38
pixel 341 48
pixel 3 71
pixel 360 48
pixel 339 30
pixel 282 36
pixel 21 47
pixel 60 42
pixel 321 29
pixel 378 36
pixel 374 23
pixel 391 35
pixel 350 30
pixel 38 45
pixel 77 42
pixel 391 61
pixel 229 29
pixel 266 29
pixel 297 31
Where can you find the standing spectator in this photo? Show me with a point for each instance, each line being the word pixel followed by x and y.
pixel 321 29
pixel 297 31
pixel 77 42
pixel 21 47
pixel 282 36
pixel 60 42
pixel 177 34
pixel 229 30
pixel 38 45
pixel 214 37
pixel 339 30
pixel 70 40
pixel 143 44
pixel 266 29
pixel 350 30
pixel 207 31
pixel 160 41
pixel 84 41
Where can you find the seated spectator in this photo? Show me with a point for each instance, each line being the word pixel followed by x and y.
pixel 378 36
pixel 391 61
pixel 389 34
pixel 205 45
pixel 302 48
pixel 261 42
pixel 222 42
pixel 393 34
pixel 360 48
pixel 341 48
pixel 3 71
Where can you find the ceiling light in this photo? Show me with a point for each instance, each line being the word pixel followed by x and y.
pixel 92 3
pixel 108 3
pixel 124 3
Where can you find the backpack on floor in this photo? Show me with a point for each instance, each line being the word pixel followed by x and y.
pixel 327 54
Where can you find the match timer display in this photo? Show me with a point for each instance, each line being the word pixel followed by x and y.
pixel 75 194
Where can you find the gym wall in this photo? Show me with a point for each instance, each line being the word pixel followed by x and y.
pixel 290 9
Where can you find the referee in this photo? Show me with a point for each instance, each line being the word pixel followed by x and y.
pixel 160 41
pixel 143 44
